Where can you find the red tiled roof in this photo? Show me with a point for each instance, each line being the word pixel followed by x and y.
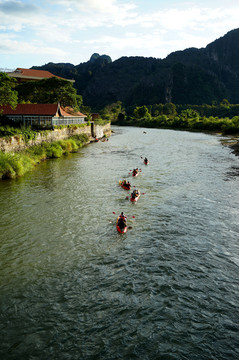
pixel 68 111
pixel 31 74
pixel 36 73
pixel 39 109
pixel 31 109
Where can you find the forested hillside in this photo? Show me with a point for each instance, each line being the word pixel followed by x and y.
pixel 192 76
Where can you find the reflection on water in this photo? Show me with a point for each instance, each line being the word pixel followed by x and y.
pixel 73 288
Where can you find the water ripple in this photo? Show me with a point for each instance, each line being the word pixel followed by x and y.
pixel 73 288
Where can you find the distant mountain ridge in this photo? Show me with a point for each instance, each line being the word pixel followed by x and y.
pixel 190 76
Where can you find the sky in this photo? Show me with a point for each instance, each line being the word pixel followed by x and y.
pixel 35 32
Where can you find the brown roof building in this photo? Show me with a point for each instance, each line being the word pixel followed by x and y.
pixel 43 114
pixel 30 74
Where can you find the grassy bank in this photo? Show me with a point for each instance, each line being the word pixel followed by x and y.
pixel 13 165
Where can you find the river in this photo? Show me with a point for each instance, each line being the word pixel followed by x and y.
pixel 71 287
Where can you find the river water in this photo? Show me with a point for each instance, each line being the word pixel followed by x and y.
pixel 71 287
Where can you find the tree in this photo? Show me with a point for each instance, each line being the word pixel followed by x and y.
pixel 7 94
pixel 141 112
pixel 157 109
pixel 85 110
pixel 112 111
pixel 225 102
pixel 190 114
pixel 50 91
pixel 170 109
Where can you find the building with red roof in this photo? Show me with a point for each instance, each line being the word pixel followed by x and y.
pixel 23 75
pixel 42 114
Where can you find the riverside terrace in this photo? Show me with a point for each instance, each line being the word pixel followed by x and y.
pixel 43 114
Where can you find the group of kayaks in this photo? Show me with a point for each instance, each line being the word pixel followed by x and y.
pixel 121 223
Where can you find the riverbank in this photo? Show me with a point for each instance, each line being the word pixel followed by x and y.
pixel 19 155
pixel 16 164
pixel 233 144
pixel 20 142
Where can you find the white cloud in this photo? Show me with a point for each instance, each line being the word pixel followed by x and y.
pixel 11 46
pixel 115 27
pixel 95 6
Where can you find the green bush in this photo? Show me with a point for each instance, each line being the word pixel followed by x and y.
pixel 53 150
pixel 38 153
pixel 13 165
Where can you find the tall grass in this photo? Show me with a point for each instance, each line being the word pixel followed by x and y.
pixel 13 165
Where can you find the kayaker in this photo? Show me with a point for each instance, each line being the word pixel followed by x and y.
pixel 122 221
pixel 123 216
pixel 135 193
pixel 135 171
pixel 128 185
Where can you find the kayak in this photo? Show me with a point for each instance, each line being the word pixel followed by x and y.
pixel 134 199
pixel 146 162
pixel 135 174
pixel 124 186
pixel 120 230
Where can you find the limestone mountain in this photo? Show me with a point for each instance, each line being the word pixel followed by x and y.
pixel 191 76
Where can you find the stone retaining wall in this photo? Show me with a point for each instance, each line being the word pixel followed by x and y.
pixel 17 143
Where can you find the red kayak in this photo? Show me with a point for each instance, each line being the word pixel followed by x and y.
pixel 120 229
pixel 135 197
pixel 135 173
pixel 124 186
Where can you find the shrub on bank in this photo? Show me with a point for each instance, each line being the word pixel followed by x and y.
pixel 13 165
pixel 26 132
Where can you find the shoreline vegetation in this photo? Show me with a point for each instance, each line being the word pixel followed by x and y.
pixel 16 164
pixel 225 126
pixel 220 119
pixel 189 120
